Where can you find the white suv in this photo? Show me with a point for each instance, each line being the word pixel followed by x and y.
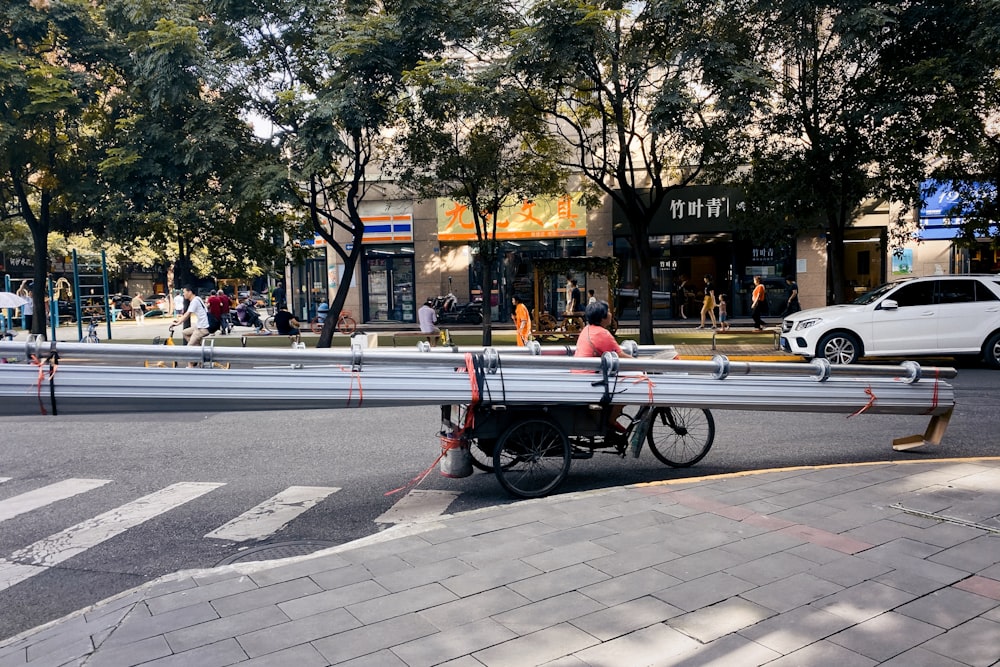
pixel 931 315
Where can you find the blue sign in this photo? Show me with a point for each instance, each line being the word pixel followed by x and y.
pixel 941 214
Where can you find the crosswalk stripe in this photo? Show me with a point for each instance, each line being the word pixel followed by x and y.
pixel 273 514
pixel 32 500
pixel 418 504
pixel 4 479
pixel 36 558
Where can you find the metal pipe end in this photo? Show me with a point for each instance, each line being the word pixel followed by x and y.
pixel 823 368
pixel 721 367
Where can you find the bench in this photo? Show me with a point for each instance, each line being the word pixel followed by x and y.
pixel 773 331
pixel 431 338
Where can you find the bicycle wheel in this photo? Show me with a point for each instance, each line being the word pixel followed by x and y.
pixel 346 325
pixel 315 325
pixel 680 437
pixel 531 458
pixel 269 323
pixel 482 454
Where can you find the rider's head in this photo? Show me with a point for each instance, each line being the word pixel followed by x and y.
pixel 596 313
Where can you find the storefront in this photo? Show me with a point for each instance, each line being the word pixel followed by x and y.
pixel 546 227
pixel 690 238
pixel 940 225
pixel 388 268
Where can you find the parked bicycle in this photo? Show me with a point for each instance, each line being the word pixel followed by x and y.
pixel 345 323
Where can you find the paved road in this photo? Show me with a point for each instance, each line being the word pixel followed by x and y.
pixel 106 503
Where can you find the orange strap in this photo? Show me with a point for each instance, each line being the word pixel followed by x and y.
pixel 355 377
pixel 649 385
pixel 871 401
pixel 42 377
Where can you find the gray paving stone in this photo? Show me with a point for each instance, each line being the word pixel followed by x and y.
pixel 512 551
pixel 262 597
pixel 974 643
pixel 303 655
pixel 948 607
pixel 709 623
pixel 903 546
pixel 200 594
pixel 823 653
pixel 764 545
pixel 167 586
pixel 131 654
pixel 224 628
pixel 698 593
pixel 332 599
pixel 921 657
pixel 919 566
pixel 629 586
pixel 139 624
pixel 575 535
pixel 907 581
pixel 499 574
pixel 796 629
pixel 116 605
pixel 220 654
pixel 972 556
pixel 380 550
pixel 383 658
pixel 850 570
pixel 385 565
pixel 565 556
pixel 627 617
pixel 885 635
pixel 466 661
pixel 13 656
pixel 863 601
pixel 787 594
pixel 557 582
pixel 55 639
pixel 298 569
pixel 67 652
pixel 397 604
pixel 880 532
pixel 729 651
pixel 473 608
pixel 770 568
pixel 453 643
pixel 548 612
pixel 341 576
pixel 658 644
pixel 537 648
pixel 301 631
pixel 372 638
pixel 418 576
pixel 438 552
pixel 635 559
pixel 945 534
pixel 700 564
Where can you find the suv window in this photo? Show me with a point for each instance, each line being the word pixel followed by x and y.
pixel 956 291
pixel 984 293
pixel 919 293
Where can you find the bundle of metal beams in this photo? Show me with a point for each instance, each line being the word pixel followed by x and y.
pixel 379 378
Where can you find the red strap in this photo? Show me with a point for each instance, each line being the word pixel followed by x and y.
pixel 42 378
pixel 871 401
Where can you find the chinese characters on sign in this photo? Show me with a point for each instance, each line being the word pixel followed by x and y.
pixel 545 217
pixel 699 208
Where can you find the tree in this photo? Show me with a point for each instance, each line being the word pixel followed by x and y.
pixel 192 172
pixel 646 96
pixel 328 75
pixel 853 103
pixel 464 139
pixel 52 60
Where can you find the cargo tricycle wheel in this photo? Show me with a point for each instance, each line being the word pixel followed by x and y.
pixel 680 437
pixel 531 458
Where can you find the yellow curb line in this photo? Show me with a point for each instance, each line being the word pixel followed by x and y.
pixel 747 473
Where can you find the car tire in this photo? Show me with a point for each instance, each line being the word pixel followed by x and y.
pixel 991 351
pixel 839 348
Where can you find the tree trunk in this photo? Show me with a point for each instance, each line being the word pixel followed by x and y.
pixel 640 241
pixel 488 260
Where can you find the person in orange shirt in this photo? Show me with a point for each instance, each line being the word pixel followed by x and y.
pixel 757 301
pixel 522 321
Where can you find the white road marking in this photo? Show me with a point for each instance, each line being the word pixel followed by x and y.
pixel 49 552
pixel 418 504
pixel 273 514
pixel 4 479
pixel 32 500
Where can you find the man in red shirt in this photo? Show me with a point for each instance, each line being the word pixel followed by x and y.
pixel 214 305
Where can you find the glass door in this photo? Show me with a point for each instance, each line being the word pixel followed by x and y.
pixel 389 287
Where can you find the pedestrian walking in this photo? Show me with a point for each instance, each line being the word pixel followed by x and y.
pixel 791 297
pixel 757 301
pixel 723 314
pixel 522 321
pixel 708 303
pixel 138 308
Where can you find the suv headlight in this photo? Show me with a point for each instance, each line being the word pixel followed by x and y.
pixel 805 324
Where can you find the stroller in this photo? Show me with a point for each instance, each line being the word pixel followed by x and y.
pixel 247 316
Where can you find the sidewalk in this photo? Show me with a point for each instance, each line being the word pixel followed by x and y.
pixel 884 563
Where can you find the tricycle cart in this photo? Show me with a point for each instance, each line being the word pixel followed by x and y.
pixel 530 447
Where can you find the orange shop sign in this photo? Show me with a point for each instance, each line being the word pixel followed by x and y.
pixel 542 218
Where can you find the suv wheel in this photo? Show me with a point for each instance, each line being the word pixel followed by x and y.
pixel 839 348
pixel 991 351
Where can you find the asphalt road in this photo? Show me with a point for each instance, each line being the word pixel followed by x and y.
pixel 356 456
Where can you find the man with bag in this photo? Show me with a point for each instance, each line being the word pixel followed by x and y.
pixel 198 314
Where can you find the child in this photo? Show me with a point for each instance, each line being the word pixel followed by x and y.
pixel 723 323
